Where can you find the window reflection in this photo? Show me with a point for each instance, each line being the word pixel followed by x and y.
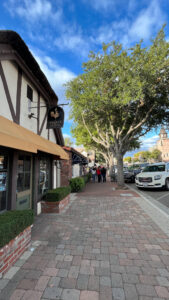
pixel 43 176
pixel 3 181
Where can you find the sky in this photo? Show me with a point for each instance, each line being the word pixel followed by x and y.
pixel 60 34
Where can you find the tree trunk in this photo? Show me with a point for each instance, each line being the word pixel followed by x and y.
pixel 110 160
pixel 120 175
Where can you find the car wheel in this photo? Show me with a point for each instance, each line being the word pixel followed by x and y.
pixel 167 184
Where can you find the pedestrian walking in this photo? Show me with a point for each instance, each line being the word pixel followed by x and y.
pixel 93 171
pixel 103 173
pixel 98 171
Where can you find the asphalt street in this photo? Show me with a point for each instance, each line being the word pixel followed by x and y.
pixel 160 195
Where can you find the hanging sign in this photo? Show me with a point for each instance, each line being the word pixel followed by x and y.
pixel 55 117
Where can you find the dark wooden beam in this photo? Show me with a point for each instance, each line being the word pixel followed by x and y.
pixel 7 93
pixel 18 96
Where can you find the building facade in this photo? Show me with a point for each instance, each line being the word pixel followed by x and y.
pixel 30 154
pixel 163 145
pixel 74 167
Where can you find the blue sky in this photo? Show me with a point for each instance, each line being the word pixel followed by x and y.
pixel 60 33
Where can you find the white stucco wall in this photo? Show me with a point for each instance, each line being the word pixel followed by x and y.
pixel 58 175
pixel 52 136
pixel 25 121
pixel 75 170
pixel 11 75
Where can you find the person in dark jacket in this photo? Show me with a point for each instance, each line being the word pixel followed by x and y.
pixel 98 171
pixel 103 174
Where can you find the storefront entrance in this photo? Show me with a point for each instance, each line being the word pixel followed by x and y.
pixel 24 182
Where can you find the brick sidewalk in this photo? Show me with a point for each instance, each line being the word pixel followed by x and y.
pixel 104 246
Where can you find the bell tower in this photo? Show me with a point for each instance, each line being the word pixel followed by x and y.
pixel 163 134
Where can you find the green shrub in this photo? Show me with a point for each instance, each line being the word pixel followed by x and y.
pixel 77 184
pixel 86 177
pixel 12 223
pixel 57 194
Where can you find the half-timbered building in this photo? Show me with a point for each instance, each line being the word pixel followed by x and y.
pixel 74 167
pixel 30 153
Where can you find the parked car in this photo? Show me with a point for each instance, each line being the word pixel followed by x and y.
pixel 154 176
pixel 129 175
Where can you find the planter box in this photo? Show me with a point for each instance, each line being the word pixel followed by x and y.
pixel 11 252
pixel 55 207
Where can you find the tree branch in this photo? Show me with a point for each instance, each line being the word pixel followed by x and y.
pixel 101 136
pixel 133 129
pixel 141 104
pixel 99 141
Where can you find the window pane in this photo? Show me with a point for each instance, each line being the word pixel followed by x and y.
pixel 3 162
pixel 20 182
pixel 2 200
pixel 20 163
pixel 24 170
pixel 43 176
pixel 29 93
pixel 3 181
pixel 27 163
pixel 27 181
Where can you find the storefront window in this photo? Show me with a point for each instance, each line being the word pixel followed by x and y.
pixel 3 181
pixel 43 176
pixel 24 173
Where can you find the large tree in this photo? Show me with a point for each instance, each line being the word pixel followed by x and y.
pixel 121 95
pixel 83 138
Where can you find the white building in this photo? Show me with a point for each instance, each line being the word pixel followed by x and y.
pixel 29 153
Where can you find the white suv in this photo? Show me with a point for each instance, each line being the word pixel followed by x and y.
pixel 154 176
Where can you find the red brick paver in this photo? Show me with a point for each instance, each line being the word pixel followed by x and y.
pixel 104 246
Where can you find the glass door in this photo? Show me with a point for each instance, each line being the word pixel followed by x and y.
pixel 24 186
pixel 3 181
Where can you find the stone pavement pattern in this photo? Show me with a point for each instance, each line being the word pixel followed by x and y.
pixel 103 247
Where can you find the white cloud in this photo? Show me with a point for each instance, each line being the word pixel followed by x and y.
pixel 33 10
pixel 126 31
pixel 56 74
pixel 71 37
pixel 149 142
pixel 111 32
pixel 65 135
pixel 146 144
pixel 73 40
pixel 64 35
pixel 148 21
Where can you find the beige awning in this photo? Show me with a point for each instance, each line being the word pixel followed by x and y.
pixel 15 136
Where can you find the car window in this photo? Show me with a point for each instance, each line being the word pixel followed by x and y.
pixel 157 168
pixel 167 167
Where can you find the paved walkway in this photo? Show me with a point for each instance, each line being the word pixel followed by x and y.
pixel 103 246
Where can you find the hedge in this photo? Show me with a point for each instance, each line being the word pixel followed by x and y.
pixel 12 223
pixel 86 177
pixel 57 194
pixel 77 184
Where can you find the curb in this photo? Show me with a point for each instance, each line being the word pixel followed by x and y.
pixel 156 211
